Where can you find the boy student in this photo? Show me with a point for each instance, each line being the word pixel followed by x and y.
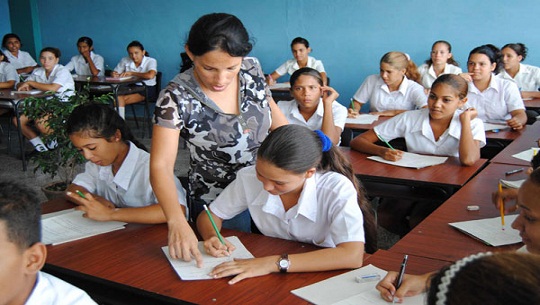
pixel 23 255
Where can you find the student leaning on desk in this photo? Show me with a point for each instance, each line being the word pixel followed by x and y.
pixel 23 254
pixel 527 222
pixel 301 189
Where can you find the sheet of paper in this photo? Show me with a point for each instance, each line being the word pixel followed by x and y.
pixel 489 230
pixel 528 154
pixel 494 127
pixel 412 160
pixel 118 78
pixel 32 92
pixel 69 225
pixel 343 289
pixel 362 119
pixel 512 184
pixel 189 270
pixel 280 86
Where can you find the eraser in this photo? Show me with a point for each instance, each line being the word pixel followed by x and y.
pixel 367 278
pixel 473 208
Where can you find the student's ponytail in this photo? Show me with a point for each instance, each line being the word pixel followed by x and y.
pixel 400 61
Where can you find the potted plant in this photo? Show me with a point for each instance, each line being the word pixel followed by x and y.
pixel 62 161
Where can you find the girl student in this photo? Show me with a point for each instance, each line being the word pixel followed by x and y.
pixel 301 188
pixel 494 98
pixel 138 64
pixel 8 75
pixel 300 49
pixel 440 129
pixel 440 62
pixel 116 180
pixel 394 90
pixel 87 62
pixel 223 109
pixel 21 60
pixel 314 104
pixel 526 77
pixel 527 223
pixel 51 76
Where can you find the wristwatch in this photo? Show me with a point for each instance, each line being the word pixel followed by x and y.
pixel 283 263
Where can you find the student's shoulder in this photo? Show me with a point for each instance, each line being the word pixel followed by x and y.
pixel 331 181
pixel 52 290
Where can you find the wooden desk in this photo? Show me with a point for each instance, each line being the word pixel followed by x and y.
pixel 391 261
pixel 529 138
pixel 434 238
pixel 131 260
pixel 533 104
pixel 107 81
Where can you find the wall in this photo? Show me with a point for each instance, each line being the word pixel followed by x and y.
pixel 5 26
pixel 349 36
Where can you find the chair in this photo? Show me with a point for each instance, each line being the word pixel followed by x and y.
pixel 147 114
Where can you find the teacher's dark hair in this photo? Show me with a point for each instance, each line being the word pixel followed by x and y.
pixel 297 149
pixel 492 52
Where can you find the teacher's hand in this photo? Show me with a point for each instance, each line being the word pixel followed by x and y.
pixel 183 243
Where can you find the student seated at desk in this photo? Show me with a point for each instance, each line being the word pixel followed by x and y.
pixel 8 75
pixel 494 98
pixel 440 129
pixel 302 188
pixel 300 49
pixel 51 76
pixel 394 90
pixel 440 62
pixel 116 180
pixel 21 60
pixel 138 64
pixel 314 104
pixel 527 222
pixel 87 62
pixel 23 255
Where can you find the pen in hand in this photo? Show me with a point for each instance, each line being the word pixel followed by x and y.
pixel 385 142
pixel 215 227
pixel 401 274
pixel 501 205
pixel 80 194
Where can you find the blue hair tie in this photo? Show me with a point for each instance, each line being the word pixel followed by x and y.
pixel 325 140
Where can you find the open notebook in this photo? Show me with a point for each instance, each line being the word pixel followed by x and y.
pixel 489 230
pixel 412 160
pixel 528 154
pixel 362 119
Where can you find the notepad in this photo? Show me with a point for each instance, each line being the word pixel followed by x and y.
pixel 489 230
pixel 32 92
pixel 512 184
pixel 412 160
pixel 362 119
pixel 280 86
pixel 190 271
pixel 527 155
pixel 118 78
pixel 494 127
pixel 70 225
pixel 343 289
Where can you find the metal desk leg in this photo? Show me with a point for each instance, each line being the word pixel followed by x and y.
pixel 19 133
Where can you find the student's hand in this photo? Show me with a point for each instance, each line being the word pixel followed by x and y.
pixel 86 55
pixel 514 123
pixel 214 247
pixel 126 73
pixel 115 74
pixel 391 155
pixel 328 94
pixel 183 243
pixel 91 207
pixel 468 114
pixel 466 76
pixel 410 286
pixel 507 196
pixel 352 113
pixel 25 86
pixel 385 113
pixel 245 268
pixel 270 81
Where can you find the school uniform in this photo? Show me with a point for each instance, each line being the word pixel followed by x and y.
pixel 148 63
pixel 527 78
pixel 327 212
pixel 50 290
pixel 130 187
pixel 428 75
pixel 414 127
pixel 293 115
pixel 79 64
pixel 22 60
pixel 497 101
pixel 291 65
pixel 409 96
pixel 8 72
pixel 59 75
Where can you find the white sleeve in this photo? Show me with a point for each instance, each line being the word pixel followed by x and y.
pixel 88 178
pixel 319 66
pixel 512 96
pixel 339 113
pixel 99 62
pixel 121 66
pixel 347 220
pixel 152 64
pixel 478 132
pixel 232 201
pixel 70 66
pixel 282 70
pixel 11 73
pixel 393 128
pixel 417 96
pixel 363 94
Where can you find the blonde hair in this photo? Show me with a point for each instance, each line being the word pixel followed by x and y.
pixel 400 61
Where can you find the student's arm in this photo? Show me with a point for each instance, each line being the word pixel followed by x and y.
pixel 144 75
pixel 518 120
pixel 28 85
pixel 329 128
pixel 278 118
pixel 469 148
pixel 365 143
pixel 388 112
pixel 26 70
pixel 507 195
pixel 324 78
pixel 272 78
pixel 182 240
pixel 91 65
pixel 357 106
pixel 410 286
pixel 7 84
pixel 530 94
pixel 73 188
pixel 212 244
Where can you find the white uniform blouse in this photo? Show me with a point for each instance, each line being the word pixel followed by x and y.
pixel 147 64
pixel 327 212
pixel 59 75
pixel 414 127
pixel 291 65
pixel 410 95
pixel 79 64
pixel 293 115
pixel 527 78
pixel 22 60
pixel 428 75
pixel 50 290
pixel 8 72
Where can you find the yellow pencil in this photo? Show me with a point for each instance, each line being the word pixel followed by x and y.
pixel 501 205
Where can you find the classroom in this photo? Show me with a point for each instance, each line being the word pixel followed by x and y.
pixel 349 37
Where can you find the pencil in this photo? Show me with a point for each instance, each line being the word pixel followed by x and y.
pixel 80 194
pixel 501 205
pixel 401 274
pixel 352 105
pixel 214 225
pixel 385 142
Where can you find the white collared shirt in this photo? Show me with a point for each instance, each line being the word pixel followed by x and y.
pixel 8 72
pixel 414 127
pixel 410 95
pixel 291 65
pixel 293 115
pixel 59 75
pixel 130 187
pixel 22 60
pixel 428 75
pixel 81 67
pixel 327 212
pixel 527 78
pixel 497 101
pixel 50 290
pixel 147 64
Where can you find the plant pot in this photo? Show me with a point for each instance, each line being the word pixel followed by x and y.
pixel 55 189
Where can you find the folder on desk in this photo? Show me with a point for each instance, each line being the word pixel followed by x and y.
pixel 489 230
pixel 362 119
pixel 412 160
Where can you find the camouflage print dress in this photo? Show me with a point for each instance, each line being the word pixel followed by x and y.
pixel 220 144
